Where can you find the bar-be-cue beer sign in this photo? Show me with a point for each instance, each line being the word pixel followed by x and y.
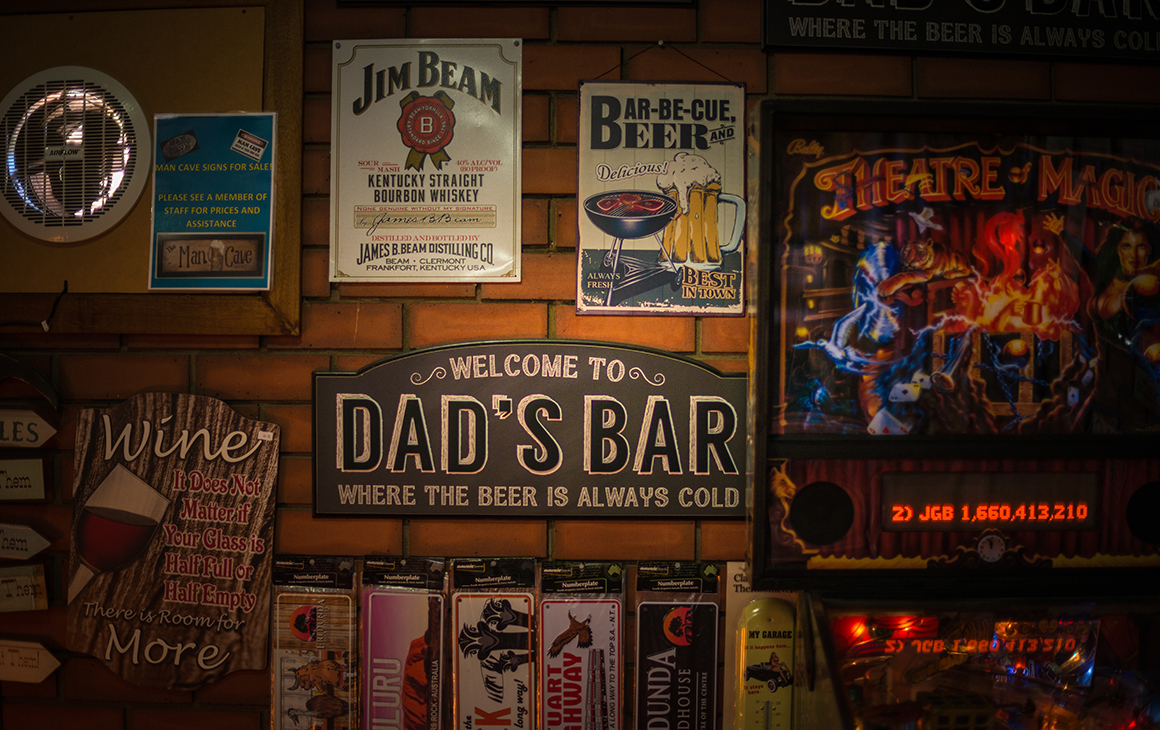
pixel 662 197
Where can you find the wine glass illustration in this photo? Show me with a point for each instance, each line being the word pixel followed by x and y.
pixel 115 526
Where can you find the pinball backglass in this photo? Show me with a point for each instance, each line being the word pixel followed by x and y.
pixel 959 283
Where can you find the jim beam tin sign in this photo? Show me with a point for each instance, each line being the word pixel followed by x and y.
pixel 662 198
pixel 425 161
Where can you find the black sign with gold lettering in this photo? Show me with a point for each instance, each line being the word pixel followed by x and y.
pixel 531 428
pixel 1127 30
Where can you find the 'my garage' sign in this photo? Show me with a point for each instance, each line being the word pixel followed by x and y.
pixel 530 428
pixel 1125 29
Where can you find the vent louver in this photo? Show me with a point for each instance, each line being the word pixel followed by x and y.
pixel 76 154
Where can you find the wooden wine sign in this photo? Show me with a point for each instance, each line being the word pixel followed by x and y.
pixel 173 531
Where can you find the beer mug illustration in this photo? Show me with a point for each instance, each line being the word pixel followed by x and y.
pixel 115 526
pixel 691 238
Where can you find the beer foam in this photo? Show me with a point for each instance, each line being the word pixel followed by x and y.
pixel 685 171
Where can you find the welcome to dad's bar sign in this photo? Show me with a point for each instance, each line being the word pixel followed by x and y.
pixel 530 428
pixel 1123 29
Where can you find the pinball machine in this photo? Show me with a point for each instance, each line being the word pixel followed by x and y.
pixel 955 396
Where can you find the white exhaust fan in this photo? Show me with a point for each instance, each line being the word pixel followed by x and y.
pixel 76 154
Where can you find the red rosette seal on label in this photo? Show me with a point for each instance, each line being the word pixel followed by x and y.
pixel 426 127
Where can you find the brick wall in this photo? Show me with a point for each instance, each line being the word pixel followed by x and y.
pixel 269 377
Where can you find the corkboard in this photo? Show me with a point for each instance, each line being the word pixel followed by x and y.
pixel 243 58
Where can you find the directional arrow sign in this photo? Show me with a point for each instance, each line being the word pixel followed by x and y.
pixel 23 428
pixel 25 661
pixel 22 589
pixel 20 542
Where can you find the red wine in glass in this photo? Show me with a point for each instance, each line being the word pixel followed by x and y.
pixel 115 525
pixel 108 538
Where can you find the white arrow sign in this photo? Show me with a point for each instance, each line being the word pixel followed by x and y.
pixel 20 542
pixel 21 479
pixel 22 588
pixel 23 428
pixel 25 661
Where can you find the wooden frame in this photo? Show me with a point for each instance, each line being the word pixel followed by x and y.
pixel 272 312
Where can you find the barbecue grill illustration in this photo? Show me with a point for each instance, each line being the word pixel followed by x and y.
pixel 631 214
pixel 635 214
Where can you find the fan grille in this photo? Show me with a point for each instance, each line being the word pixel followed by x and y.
pixel 72 154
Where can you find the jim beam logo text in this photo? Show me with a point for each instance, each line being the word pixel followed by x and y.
pixel 426 123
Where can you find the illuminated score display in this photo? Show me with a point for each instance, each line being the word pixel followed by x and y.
pixel 945 502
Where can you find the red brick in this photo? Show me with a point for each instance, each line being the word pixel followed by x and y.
pixel 534 224
pixel 406 291
pixel 140 718
pixel 54 523
pixel 567 119
pixel 66 432
pixel 354 363
pixel 296 426
pixel 724 65
pixel 41 364
pixel 723 540
pixel 544 277
pixel 856 75
pixel 49 627
pixel 484 22
pixel 621 23
pixel 32 717
pixel 316 172
pixel 67 476
pixel 323 20
pixel 549 171
pixel 316 273
pixel 44 690
pixel 85 678
pixel 344 325
pixel 982 78
pixel 733 365
pixel 316 222
pixel 725 334
pixel 11 339
pixel 118 376
pixel 560 68
pixel 238 688
pixel 316 120
pixel 535 118
pixel 478 538
pixel 295 480
pixel 439 324
pixel 566 225
pixel 258 377
pixel 13 389
pixel 191 342
pixel 731 21
pixel 317 69
pixel 675 334
pixel 1107 83
pixel 624 540
pixel 297 532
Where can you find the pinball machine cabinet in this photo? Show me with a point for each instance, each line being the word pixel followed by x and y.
pixel 955 394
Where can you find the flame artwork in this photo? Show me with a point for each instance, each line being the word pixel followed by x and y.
pixel 940 284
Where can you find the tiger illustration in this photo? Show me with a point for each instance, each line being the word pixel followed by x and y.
pixel 924 261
